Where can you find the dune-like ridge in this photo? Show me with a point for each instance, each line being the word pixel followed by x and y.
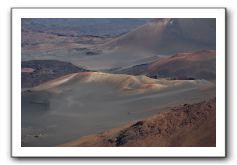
pixel 126 83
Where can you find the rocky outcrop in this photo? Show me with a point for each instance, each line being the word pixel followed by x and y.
pixel 184 126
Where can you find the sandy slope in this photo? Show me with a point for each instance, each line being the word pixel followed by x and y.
pixel 190 125
pixel 123 82
pixel 91 102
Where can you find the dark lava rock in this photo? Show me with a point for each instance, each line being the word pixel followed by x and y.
pixel 45 70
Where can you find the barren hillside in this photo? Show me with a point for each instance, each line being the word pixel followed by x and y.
pixel 188 125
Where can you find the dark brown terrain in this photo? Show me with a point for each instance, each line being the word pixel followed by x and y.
pixel 192 65
pixel 189 125
pixel 35 72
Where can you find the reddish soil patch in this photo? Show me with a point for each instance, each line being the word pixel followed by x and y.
pixel 27 70
pixel 183 58
pixel 184 126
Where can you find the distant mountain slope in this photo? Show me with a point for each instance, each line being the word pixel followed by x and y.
pixel 168 36
pixel 157 38
pixel 36 72
pixel 189 125
pixel 194 65
pixel 143 40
